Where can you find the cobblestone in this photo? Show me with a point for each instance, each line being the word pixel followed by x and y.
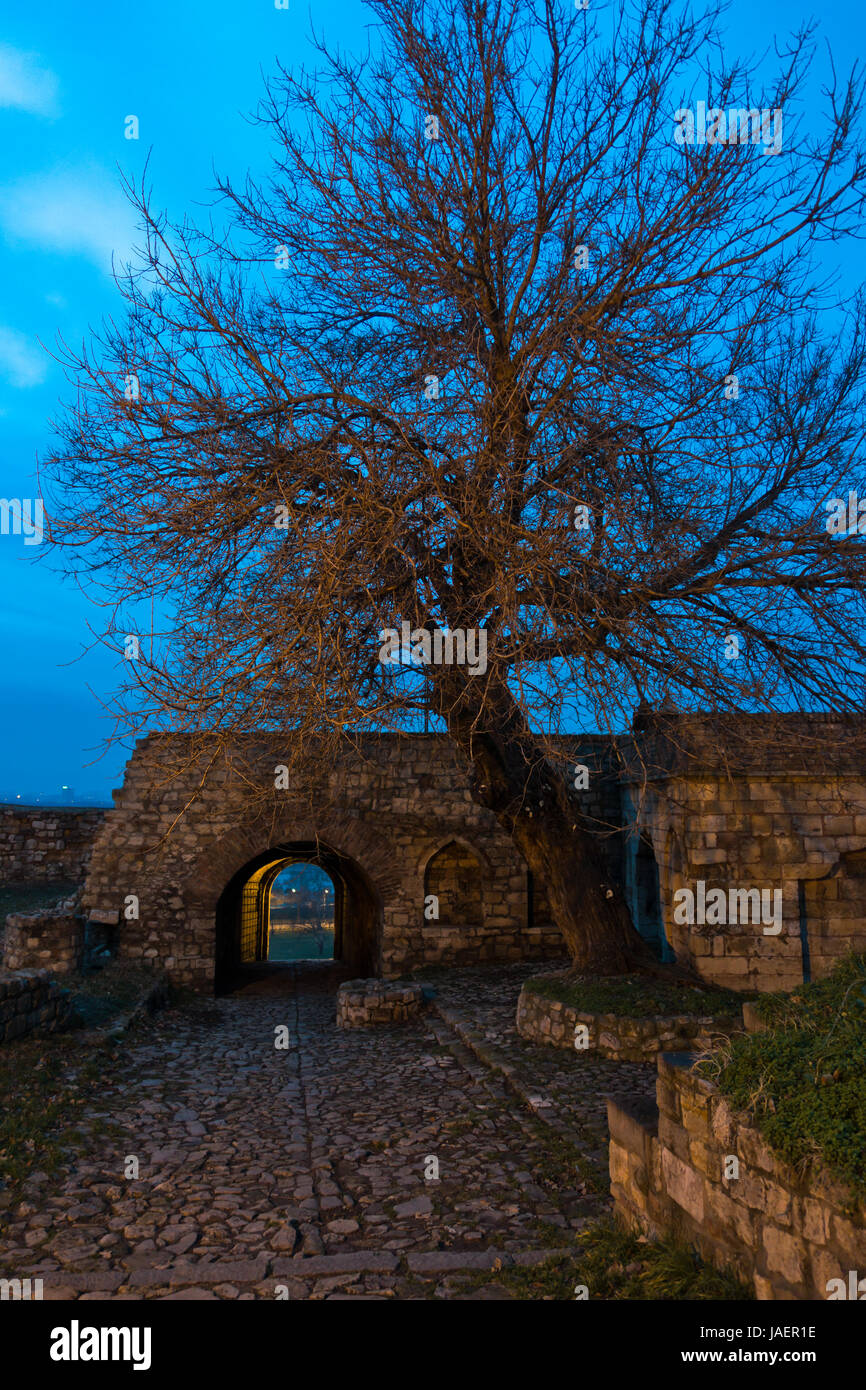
pixel 262 1167
pixel 568 1090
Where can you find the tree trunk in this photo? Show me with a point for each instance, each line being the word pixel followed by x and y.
pixel 510 776
pixel 586 905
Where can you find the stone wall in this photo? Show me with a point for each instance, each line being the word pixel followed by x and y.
pixel 367 1003
pixel 394 823
pixel 37 940
pixel 31 1003
pixel 781 825
pixel 379 818
pixel 40 844
pixel 553 1023
pixel 787 1232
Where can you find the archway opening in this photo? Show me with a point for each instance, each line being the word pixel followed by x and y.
pixel 301 914
pixel 263 927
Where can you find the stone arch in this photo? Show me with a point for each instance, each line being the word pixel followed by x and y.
pixel 303 914
pixel 454 875
pixel 354 854
pixel 241 913
pixel 433 847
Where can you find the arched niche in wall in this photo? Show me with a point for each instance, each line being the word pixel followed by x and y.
pixel 454 877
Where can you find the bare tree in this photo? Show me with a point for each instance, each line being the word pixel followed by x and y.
pixel 521 341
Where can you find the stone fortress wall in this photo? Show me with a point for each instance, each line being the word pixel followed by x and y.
pixel 734 815
pixel 394 819
pixel 39 843
pixel 397 818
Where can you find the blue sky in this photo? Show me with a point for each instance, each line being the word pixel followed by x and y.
pixel 190 72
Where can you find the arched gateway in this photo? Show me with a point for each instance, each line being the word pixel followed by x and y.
pixel 243 912
pixel 193 825
pixel 196 841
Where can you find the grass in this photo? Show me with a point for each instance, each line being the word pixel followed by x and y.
pixel 46 1082
pixel 563 1164
pixel 299 945
pixel 548 1236
pixel 106 994
pixel 804 1080
pixel 613 1264
pixel 637 996
pixel 43 1089
pixel 32 897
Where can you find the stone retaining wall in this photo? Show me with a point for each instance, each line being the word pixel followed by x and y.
pixel 41 843
pixel 365 1003
pixel 31 1003
pixel 780 835
pixel 43 940
pixel 787 1232
pixel 544 1020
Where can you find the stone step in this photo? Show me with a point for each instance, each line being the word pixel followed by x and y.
pixel 198 1280
pixel 447 1037
pixel 494 1061
pixel 438 1262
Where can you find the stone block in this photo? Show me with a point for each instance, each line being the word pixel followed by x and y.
pixel 444 1261
pixel 728 1218
pixel 815 1221
pixel 352 1262
pixel 633 1122
pixel 618 1163
pixel 784 1254
pixel 778 1202
pixel 704 1159
pixel 682 1184
pixel 849 1240
pixel 824 1265
pixel 695 1117
pixel 754 1151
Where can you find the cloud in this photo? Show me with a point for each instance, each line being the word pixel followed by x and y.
pixel 22 361
pixel 77 211
pixel 25 85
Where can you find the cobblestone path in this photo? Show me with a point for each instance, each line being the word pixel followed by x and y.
pixel 568 1089
pixel 310 1172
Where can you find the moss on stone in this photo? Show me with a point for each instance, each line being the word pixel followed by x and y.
pixel 804 1078
pixel 637 996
